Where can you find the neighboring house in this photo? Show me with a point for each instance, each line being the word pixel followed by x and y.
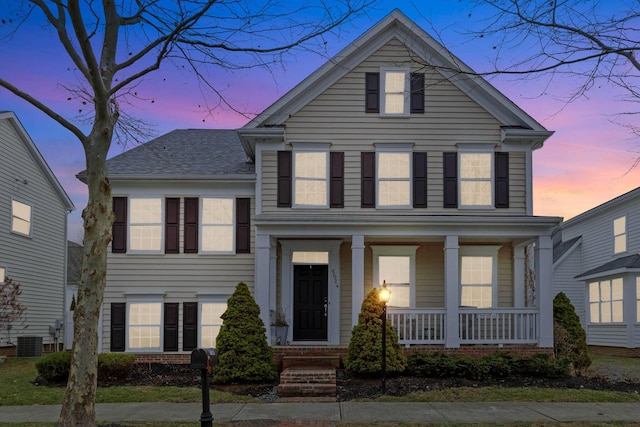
pixel 74 273
pixel 596 261
pixel 383 165
pixel 33 238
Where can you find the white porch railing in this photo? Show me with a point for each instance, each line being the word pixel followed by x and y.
pixel 418 326
pixel 475 326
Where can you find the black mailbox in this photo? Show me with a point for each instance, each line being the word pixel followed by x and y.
pixel 204 358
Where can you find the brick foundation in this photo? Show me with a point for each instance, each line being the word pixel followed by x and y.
pixel 615 351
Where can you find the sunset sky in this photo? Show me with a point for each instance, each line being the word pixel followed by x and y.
pixel 585 163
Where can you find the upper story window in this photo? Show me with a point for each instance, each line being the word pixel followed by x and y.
pixel 476 177
pixel 606 301
pixel 217 225
pixel 620 235
pixel 394 179
pixel 394 92
pixel 310 183
pixel 145 224
pixel 20 218
pixel 396 266
pixel 478 276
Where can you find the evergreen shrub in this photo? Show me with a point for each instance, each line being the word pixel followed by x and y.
pixel 115 366
pixel 243 353
pixel 54 367
pixel 364 355
pixel 570 339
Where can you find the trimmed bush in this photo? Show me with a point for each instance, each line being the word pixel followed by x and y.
pixel 115 366
pixel 364 356
pixel 243 353
pixel 54 367
pixel 570 339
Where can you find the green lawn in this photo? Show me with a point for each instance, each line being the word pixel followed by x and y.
pixel 16 389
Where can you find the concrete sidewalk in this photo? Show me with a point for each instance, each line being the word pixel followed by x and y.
pixel 354 412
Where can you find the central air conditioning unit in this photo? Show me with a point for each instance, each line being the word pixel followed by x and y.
pixel 29 346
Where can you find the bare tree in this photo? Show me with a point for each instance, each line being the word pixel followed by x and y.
pixel 593 42
pixel 113 45
pixel 11 310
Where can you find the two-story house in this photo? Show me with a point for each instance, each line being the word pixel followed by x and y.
pixel 393 162
pixel 596 262
pixel 33 240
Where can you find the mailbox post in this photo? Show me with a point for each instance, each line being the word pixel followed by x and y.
pixel 204 359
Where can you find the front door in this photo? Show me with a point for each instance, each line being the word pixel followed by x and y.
pixel 310 299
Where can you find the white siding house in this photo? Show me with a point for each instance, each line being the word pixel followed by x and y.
pixel 597 265
pixel 385 164
pixel 33 236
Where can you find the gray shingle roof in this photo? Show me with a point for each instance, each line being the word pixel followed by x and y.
pixel 627 262
pixel 562 247
pixel 184 153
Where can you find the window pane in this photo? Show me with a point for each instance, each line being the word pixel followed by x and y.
pixel 475 193
pixel 605 290
pixel 616 289
pixel 217 211
pixel 209 335
pixel 393 193
pixel 311 165
pixel 400 296
pixel 310 257
pixel 619 226
pixel 2 273
pixel 620 243
pixel 475 165
pixel 144 325
pixel 394 104
pixel 21 217
pixel 476 270
pixel 146 237
pixel 617 312
pixel 605 312
pixel 394 269
pixel 311 192
pixel 146 211
pixel 594 291
pixel 211 321
pixel 217 238
pixel 394 165
pixel 595 312
pixel 394 81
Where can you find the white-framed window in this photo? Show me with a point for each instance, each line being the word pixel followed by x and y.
pixel 3 274
pixel 310 176
pixel 394 91
pixel 145 224
pixel 144 326
pixel 478 276
pixel 476 179
pixel 620 235
pixel 606 301
pixel 394 179
pixel 21 216
pixel 211 321
pixel 217 225
pixel 396 266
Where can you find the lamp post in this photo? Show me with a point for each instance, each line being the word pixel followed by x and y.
pixel 384 294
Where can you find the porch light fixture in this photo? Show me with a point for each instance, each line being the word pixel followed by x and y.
pixel 384 294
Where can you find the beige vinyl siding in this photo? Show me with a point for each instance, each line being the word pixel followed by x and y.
pixel 430 276
pixel 505 276
pixel 337 116
pixel 36 262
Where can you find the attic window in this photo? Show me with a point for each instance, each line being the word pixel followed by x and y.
pixel 394 92
pixel 20 218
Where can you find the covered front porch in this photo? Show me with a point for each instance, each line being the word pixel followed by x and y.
pixel 440 302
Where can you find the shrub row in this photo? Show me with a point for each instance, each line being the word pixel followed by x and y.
pixel 499 365
pixel 54 367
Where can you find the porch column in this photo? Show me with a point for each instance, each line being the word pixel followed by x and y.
pixel 262 279
pixel 629 307
pixel 357 277
pixel 519 271
pixel 544 289
pixel 451 291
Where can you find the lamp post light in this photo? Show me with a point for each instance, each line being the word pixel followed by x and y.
pixel 384 294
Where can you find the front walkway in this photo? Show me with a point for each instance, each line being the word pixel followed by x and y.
pixel 329 414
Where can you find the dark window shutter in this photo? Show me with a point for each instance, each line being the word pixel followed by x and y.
pixel 450 180
pixel 419 180
pixel 336 184
pixel 372 92
pixel 243 225
pixel 171 326
pixel 502 179
pixel 284 179
pixel 119 227
pixel 118 319
pixel 417 92
pixel 368 174
pixel 172 225
pixel 191 206
pixel 189 326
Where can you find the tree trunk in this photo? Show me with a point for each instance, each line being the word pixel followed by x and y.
pixel 78 408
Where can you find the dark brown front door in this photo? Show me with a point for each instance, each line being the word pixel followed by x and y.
pixel 310 291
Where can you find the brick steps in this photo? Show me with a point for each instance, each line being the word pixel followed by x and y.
pixel 311 381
